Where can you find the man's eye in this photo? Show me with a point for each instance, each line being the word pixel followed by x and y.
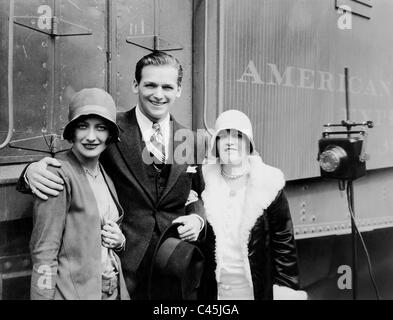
pixel 168 88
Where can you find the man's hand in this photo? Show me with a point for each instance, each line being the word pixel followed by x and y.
pixel 191 227
pixel 111 235
pixel 41 181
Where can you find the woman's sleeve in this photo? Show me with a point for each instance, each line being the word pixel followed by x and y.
pixel 48 224
pixel 283 246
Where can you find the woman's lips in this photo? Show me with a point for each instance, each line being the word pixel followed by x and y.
pixel 90 146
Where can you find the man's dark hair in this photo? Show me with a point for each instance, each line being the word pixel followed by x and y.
pixel 158 58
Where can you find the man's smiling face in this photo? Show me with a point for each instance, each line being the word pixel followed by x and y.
pixel 157 90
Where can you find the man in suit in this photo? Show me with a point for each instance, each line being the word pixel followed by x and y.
pixel 157 185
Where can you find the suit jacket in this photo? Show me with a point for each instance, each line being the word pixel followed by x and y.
pixel 66 239
pixel 142 209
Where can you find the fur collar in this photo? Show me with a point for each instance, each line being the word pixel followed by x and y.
pixel 264 183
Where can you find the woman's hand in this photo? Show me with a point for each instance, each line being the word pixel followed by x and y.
pixel 111 236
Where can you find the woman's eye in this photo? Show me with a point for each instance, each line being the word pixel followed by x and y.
pixel 102 128
pixel 81 126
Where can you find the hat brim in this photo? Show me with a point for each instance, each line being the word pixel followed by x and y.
pixel 213 150
pixel 179 262
pixel 96 111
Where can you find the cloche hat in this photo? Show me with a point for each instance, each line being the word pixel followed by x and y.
pixel 92 101
pixel 235 120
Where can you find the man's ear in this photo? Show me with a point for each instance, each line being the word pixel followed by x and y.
pixel 135 87
pixel 178 94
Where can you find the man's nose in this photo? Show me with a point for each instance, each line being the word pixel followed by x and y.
pixel 158 94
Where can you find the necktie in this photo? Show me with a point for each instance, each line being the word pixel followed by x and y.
pixel 157 146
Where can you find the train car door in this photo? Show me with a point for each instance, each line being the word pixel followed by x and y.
pixel 59 47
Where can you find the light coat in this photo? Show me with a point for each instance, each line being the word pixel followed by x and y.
pixel 66 239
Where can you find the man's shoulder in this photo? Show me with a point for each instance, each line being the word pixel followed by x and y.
pixel 121 115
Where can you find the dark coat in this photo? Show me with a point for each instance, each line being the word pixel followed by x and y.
pixel 142 209
pixel 66 239
pixel 266 232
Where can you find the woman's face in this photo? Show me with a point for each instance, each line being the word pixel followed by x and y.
pixel 90 137
pixel 233 147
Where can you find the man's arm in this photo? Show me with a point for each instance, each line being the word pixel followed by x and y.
pixel 37 179
pixel 194 220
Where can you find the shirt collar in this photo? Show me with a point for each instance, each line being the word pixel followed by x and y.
pixel 146 125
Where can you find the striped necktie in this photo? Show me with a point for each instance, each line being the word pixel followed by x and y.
pixel 157 148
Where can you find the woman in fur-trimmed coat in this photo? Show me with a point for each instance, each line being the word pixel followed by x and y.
pixel 250 248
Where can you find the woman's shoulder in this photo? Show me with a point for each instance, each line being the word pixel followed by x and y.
pixel 66 170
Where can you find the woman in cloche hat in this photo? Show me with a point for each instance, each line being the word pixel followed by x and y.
pixel 250 249
pixel 75 234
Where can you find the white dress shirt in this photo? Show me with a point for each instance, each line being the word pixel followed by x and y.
pixel 146 127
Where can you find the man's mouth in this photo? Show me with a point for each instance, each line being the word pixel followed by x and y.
pixel 157 103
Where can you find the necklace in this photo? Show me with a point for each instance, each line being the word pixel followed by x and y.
pixel 232 176
pixel 93 173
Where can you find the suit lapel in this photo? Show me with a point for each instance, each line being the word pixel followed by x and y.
pixel 131 147
pixel 112 191
pixel 176 169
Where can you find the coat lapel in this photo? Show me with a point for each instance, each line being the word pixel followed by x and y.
pixel 176 169
pixel 131 147
pixel 112 190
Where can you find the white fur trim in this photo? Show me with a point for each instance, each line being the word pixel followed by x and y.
pixel 264 183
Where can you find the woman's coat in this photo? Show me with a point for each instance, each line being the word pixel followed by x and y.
pixel 266 231
pixel 66 239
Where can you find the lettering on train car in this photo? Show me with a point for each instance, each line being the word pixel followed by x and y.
pixel 303 78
